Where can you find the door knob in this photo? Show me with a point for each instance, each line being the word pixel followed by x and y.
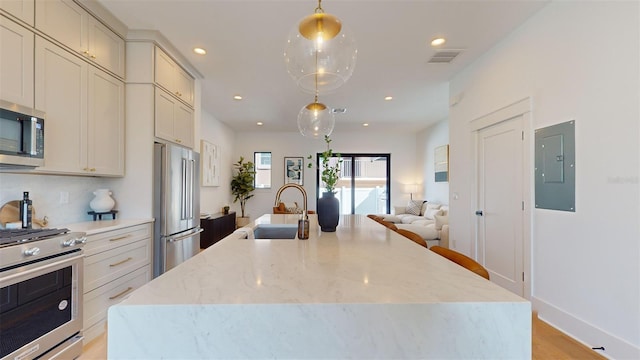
pixel 479 212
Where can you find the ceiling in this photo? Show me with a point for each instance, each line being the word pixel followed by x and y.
pixel 245 41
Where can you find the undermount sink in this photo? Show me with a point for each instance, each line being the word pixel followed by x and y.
pixel 275 231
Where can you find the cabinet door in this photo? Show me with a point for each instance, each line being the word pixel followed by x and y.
pixel 106 48
pixel 22 9
pixel 16 63
pixel 105 123
pixel 164 115
pixel 184 86
pixel 165 70
pixel 183 124
pixel 64 21
pixel 61 79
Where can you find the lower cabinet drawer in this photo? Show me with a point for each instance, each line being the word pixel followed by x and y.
pixel 97 302
pixel 105 241
pixel 107 266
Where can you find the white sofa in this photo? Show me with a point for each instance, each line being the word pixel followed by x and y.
pixel 432 223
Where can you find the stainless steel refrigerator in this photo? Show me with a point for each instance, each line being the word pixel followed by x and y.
pixel 176 206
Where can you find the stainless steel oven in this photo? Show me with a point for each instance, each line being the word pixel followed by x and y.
pixel 41 294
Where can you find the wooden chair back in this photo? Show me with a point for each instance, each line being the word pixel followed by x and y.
pixel 413 237
pixel 461 260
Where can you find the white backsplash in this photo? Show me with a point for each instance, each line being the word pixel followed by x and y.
pixel 46 192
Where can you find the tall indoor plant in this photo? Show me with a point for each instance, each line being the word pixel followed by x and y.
pixel 242 183
pixel 328 204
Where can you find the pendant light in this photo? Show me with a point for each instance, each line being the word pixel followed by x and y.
pixel 320 53
pixel 315 120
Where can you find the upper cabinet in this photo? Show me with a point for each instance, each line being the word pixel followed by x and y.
pixel 74 27
pixel 170 76
pixel 16 63
pixel 84 132
pixel 22 9
pixel 173 119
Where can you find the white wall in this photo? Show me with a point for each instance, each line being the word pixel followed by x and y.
pixel 401 146
pixel 427 140
pixel 213 198
pixel 577 61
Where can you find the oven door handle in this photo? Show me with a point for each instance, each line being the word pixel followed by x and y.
pixel 40 268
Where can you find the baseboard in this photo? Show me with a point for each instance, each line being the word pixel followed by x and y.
pixel 585 333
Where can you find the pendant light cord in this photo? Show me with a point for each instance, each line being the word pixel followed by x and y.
pixel 319 8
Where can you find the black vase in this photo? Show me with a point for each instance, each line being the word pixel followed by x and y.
pixel 328 212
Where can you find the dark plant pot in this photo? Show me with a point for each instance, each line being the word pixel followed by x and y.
pixel 328 212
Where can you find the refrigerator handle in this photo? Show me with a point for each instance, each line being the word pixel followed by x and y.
pixel 183 191
pixel 192 184
pixel 188 188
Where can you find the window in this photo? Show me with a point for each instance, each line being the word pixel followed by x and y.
pixel 262 164
pixel 363 186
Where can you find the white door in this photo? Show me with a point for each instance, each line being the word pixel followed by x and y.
pixel 500 199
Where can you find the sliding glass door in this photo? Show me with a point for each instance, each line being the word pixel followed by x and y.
pixel 363 187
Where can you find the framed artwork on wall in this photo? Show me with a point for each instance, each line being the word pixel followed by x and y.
pixel 210 163
pixel 294 170
pixel 441 158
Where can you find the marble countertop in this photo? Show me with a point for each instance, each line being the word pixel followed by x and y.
pixel 362 292
pixel 362 262
pixel 96 227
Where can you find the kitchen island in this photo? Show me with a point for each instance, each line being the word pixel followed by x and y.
pixel 360 292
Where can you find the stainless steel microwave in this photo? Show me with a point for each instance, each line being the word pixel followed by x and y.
pixel 21 136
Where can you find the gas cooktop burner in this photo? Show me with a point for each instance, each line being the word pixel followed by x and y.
pixel 17 236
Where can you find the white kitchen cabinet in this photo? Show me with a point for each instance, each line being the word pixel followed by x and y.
pixel 170 76
pixel 105 123
pixel 16 63
pixel 84 106
pixel 116 263
pixel 173 119
pixel 21 9
pixel 67 22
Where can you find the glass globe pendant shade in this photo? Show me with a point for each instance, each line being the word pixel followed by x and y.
pixel 315 120
pixel 323 62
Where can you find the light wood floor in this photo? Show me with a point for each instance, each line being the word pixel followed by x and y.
pixel 546 343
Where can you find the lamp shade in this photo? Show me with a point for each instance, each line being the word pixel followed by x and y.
pixel 323 63
pixel 315 120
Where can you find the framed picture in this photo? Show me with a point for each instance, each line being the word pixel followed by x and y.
pixel 293 170
pixel 441 156
pixel 210 163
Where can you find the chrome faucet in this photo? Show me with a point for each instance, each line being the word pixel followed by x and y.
pixel 304 194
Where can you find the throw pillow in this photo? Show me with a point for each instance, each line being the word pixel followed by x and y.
pixel 433 206
pixel 413 207
pixel 441 220
pixel 430 213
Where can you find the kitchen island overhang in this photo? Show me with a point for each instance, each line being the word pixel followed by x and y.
pixel 361 292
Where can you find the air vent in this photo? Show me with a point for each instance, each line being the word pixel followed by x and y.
pixel 444 56
pixel 338 111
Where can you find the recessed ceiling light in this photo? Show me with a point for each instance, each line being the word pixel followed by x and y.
pixel 365 124
pixel 388 98
pixel 237 97
pixel 259 123
pixel 199 51
pixel 438 41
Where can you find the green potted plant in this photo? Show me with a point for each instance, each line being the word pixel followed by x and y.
pixel 242 185
pixel 328 204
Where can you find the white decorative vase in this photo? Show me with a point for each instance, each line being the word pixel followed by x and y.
pixel 102 202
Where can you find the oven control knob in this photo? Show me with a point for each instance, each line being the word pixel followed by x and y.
pixel 69 242
pixel 32 251
pixel 82 240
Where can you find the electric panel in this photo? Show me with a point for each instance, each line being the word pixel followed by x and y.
pixel 555 168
